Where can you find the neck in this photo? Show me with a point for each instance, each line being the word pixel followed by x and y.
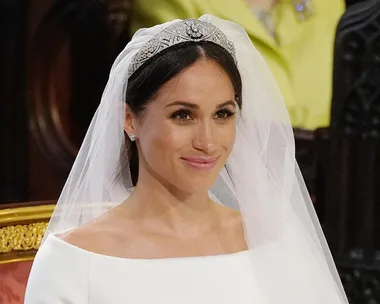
pixel 177 210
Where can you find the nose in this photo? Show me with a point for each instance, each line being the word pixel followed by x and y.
pixel 203 138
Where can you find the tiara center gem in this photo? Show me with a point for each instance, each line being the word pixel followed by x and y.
pixel 194 30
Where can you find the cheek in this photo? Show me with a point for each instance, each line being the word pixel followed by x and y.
pixel 226 137
pixel 161 142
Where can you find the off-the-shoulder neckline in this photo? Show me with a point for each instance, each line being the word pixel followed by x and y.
pixel 55 238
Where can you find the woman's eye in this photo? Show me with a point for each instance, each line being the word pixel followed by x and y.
pixel 224 114
pixel 182 115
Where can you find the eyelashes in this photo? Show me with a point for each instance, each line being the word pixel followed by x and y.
pixel 186 115
pixel 183 115
pixel 224 114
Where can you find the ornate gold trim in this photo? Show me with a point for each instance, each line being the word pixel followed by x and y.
pixel 17 259
pixel 25 214
pixel 21 237
pixel 21 231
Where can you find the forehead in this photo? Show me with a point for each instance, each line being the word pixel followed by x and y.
pixel 204 81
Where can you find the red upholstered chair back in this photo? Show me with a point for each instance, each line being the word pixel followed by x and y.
pixel 22 227
pixel 13 279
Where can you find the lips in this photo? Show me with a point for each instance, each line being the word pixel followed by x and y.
pixel 200 163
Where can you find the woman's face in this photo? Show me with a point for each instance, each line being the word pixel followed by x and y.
pixel 187 132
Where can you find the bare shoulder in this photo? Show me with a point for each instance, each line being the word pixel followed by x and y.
pixel 233 227
pixel 98 236
pixel 88 237
pixel 232 217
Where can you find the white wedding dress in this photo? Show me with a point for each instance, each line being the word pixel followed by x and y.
pixel 63 273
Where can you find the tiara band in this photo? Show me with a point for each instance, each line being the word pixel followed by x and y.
pixel 189 30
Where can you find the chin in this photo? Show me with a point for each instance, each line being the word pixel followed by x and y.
pixel 195 185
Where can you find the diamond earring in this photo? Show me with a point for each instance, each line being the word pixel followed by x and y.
pixel 132 137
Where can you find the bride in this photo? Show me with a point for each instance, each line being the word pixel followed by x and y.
pixel 186 189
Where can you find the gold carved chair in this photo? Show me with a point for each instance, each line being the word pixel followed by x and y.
pixel 22 227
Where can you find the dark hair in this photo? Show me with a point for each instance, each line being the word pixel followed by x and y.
pixel 145 83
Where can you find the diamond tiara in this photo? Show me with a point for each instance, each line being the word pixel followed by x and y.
pixel 189 30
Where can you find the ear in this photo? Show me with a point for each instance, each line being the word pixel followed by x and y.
pixel 130 122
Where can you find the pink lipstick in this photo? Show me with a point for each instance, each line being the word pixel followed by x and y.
pixel 201 163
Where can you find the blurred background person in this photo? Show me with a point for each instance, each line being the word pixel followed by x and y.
pixel 295 37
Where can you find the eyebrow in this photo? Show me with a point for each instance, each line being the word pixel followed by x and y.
pixel 195 106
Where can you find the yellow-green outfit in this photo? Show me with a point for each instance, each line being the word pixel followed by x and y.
pixel 300 56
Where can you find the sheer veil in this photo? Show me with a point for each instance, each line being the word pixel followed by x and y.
pixel 291 261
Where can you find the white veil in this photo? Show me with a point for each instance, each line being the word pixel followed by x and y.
pixel 291 260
